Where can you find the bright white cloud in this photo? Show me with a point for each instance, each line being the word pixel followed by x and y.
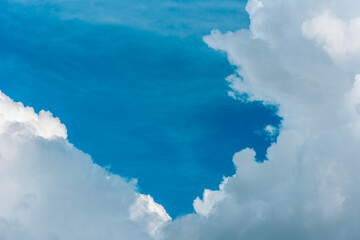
pixel 300 55
pixel 303 57
pixel 42 124
pixel 151 215
pixel 210 198
pixel 51 190
pixel 336 36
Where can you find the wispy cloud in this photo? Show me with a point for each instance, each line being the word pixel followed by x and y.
pixel 165 17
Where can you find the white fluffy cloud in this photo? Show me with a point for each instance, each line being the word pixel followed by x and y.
pixel 303 57
pixel 51 190
pixel 338 37
pixel 42 124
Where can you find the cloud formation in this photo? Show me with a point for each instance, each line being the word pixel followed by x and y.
pixel 51 190
pixel 301 56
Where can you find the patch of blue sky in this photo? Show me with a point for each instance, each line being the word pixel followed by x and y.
pixel 150 102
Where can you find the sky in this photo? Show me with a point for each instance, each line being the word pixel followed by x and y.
pixel 142 94
pixel 177 120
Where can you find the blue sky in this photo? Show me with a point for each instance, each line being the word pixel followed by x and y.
pixel 136 87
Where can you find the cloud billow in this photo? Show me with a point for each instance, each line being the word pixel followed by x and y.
pixel 299 55
pixel 302 57
pixel 51 190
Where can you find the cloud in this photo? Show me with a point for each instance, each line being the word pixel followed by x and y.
pixel 302 57
pixel 164 17
pixel 151 215
pixel 43 124
pixel 298 55
pixel 205 206
pixel 336 36
pixel 51 190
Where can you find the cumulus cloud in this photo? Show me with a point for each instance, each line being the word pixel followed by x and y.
pixel 51 190
pixel 42 124
pixel 210 198
pixel 152 216
pixel 301 56
pixel 336 36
